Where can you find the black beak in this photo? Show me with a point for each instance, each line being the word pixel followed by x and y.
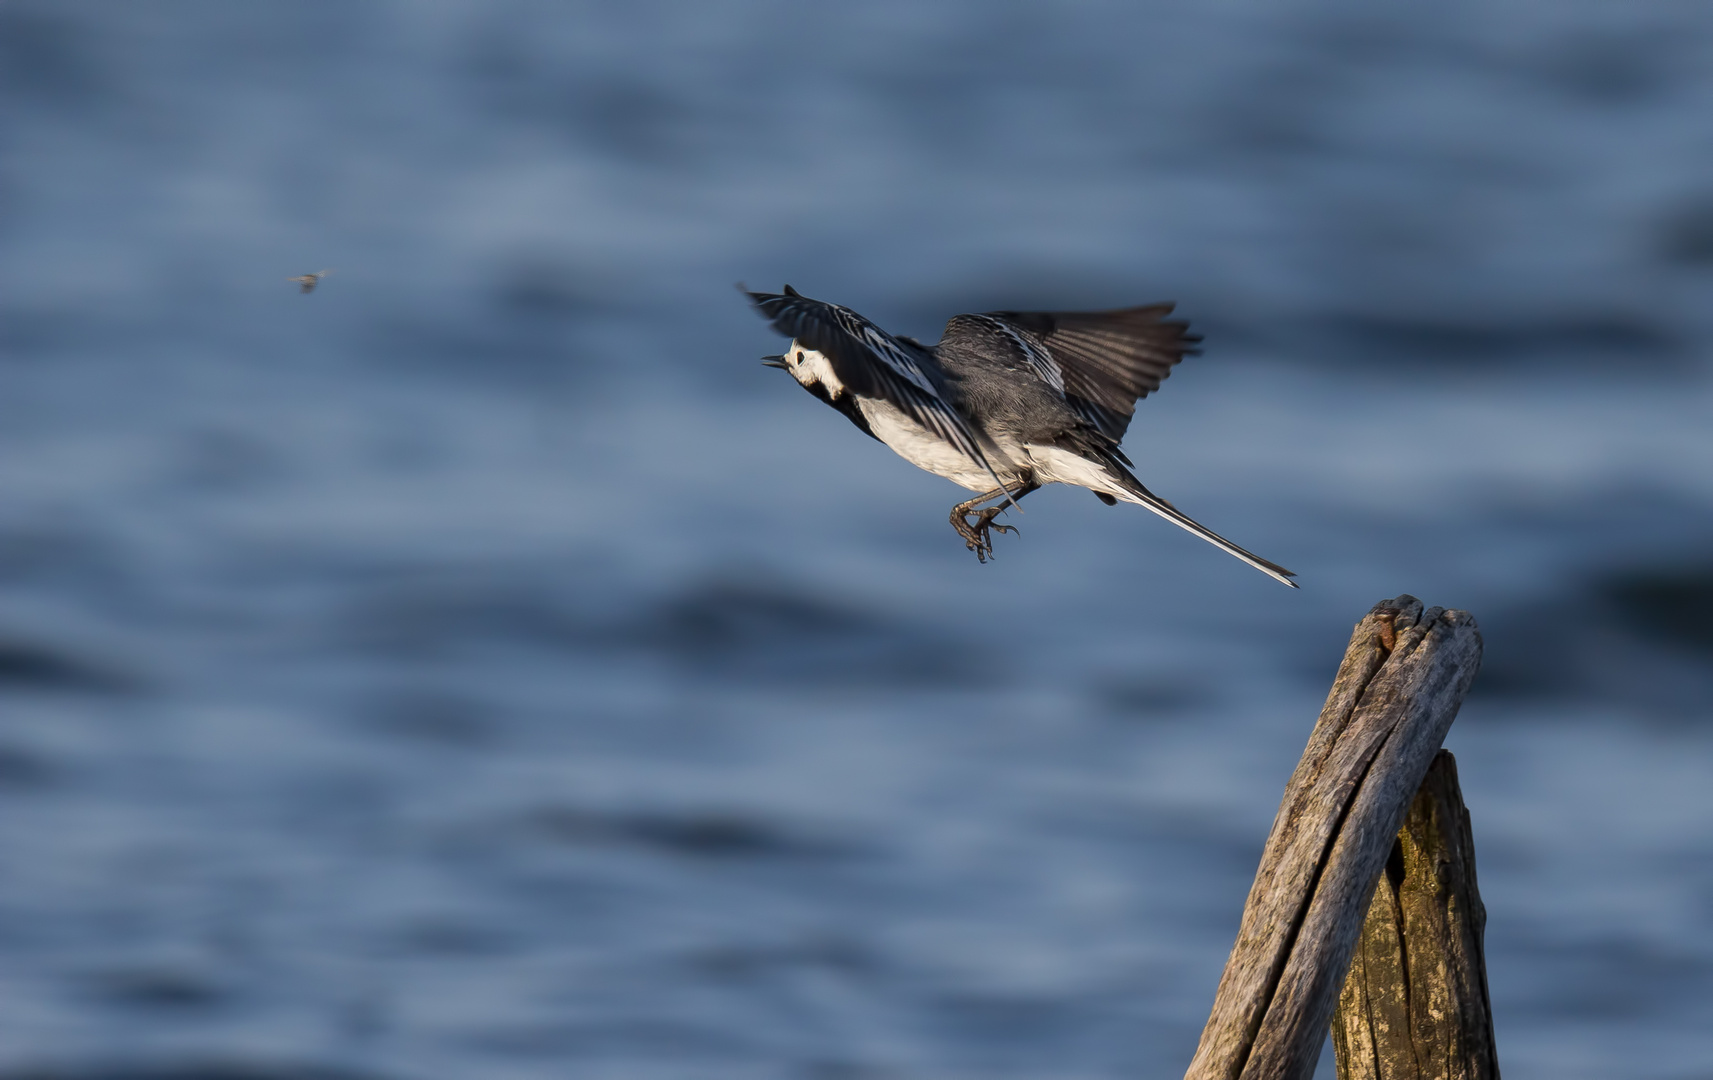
pixel 775 361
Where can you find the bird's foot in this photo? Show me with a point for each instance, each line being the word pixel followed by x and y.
pixel 978 534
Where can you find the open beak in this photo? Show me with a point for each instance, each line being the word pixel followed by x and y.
pixel 775 361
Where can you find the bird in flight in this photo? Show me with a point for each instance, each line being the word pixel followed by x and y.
pixel 306 283
pixel 1006 402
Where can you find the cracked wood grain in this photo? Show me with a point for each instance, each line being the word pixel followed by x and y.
pixel 1404 675
pixel 1415 1004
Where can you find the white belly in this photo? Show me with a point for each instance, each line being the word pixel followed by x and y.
pixel 921 448
pixel 1056 466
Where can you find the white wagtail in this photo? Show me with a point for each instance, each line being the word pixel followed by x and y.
pixel 1006 402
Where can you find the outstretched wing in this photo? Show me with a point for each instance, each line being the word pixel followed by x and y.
pixel 871 363
pixel 1103 362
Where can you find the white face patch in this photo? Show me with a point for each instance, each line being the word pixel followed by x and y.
pixel 810 367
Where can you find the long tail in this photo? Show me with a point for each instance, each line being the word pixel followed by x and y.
pixel 1131 490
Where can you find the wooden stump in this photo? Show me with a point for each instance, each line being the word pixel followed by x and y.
pixel 1415 1005
pixel 1402 681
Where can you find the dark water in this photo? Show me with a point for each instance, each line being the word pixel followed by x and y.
pixel 484 668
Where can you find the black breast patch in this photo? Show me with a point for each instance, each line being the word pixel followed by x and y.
pixel 846 404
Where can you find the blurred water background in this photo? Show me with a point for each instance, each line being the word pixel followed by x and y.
pixel 483 667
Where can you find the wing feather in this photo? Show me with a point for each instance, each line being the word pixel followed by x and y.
pixel 872 363
pixel 1103 362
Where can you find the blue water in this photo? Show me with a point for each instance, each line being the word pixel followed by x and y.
pixel 482 667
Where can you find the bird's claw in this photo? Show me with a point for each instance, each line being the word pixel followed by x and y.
pixel 978 535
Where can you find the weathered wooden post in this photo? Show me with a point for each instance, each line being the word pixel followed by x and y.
pixel 1415 1003
pixel 1402 681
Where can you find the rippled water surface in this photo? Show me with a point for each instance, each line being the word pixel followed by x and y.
pixel 482 667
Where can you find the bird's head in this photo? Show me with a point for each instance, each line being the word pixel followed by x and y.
pixel 808 367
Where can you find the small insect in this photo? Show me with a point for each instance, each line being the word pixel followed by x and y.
pixel 306 283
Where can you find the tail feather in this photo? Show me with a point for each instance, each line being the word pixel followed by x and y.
pixel 1184 521
pixel 1131 490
